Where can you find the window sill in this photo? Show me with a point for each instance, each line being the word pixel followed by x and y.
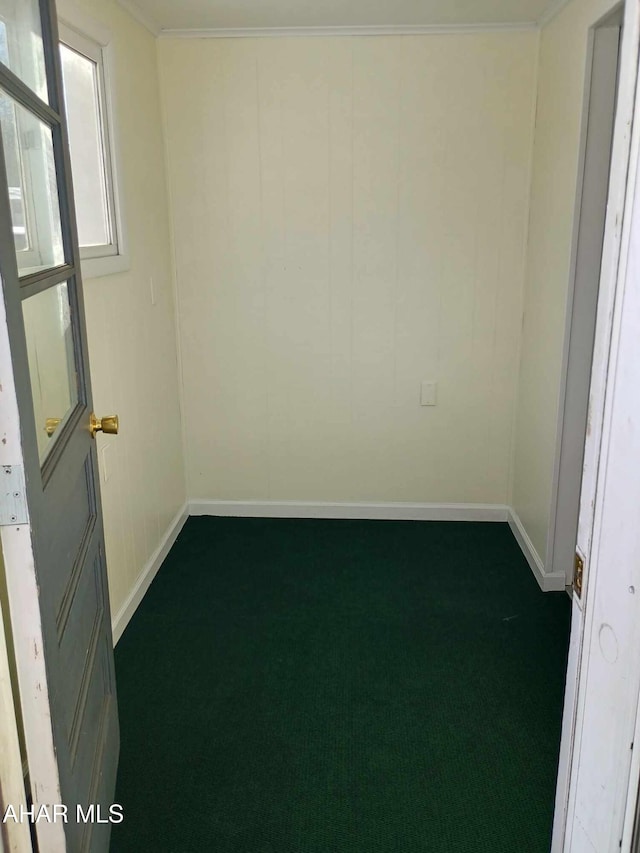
pixel 98 267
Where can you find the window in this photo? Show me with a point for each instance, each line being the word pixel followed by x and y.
pixel 93 168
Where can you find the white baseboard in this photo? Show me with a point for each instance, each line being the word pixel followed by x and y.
pixel 379 511
pixel 310 509
pixel 148 573
pixel 548 581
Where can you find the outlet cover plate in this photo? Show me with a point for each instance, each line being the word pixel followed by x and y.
pixel 428 393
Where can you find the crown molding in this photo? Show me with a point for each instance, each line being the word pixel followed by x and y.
pixel 307 32
pixel 141 17
pixel 553 9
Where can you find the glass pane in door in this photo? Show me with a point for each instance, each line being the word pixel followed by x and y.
pixel 33 187
pixel 21 47
pixel 52 366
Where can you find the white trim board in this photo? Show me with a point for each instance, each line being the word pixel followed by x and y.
pixel 379 511
pixel 148 573
pixel 329 32
pixel 547 581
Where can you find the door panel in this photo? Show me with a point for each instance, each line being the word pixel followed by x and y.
pixel 42 290
pixel 68 546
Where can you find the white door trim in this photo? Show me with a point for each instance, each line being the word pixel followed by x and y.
pixel 610 673
pixel 599 716
pixel 12 791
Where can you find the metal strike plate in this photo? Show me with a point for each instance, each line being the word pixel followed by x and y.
pixel 578 571
pixel 13 496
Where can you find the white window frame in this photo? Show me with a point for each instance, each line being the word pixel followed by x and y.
pixel 83 35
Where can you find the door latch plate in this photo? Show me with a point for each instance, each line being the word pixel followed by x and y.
pixel 13 496
pixel 578 571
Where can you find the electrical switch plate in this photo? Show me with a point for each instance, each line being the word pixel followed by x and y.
pixel 428 392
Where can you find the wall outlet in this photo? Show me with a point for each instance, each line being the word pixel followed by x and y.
pixel 428 393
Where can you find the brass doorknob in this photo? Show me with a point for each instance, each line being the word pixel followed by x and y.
pixel 51 425
pixel 109 425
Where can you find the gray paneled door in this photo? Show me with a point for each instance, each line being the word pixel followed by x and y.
pixel 52 542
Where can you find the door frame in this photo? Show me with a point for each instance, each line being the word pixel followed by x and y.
pixel 15 836
pixel 602 487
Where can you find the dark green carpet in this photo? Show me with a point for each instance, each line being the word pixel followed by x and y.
pixel 341 687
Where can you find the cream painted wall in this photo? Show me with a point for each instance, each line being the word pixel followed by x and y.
pixel 350 219
pixel 132 344
pixel 561 76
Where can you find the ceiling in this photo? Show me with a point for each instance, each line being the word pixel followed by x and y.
pixel 241 14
